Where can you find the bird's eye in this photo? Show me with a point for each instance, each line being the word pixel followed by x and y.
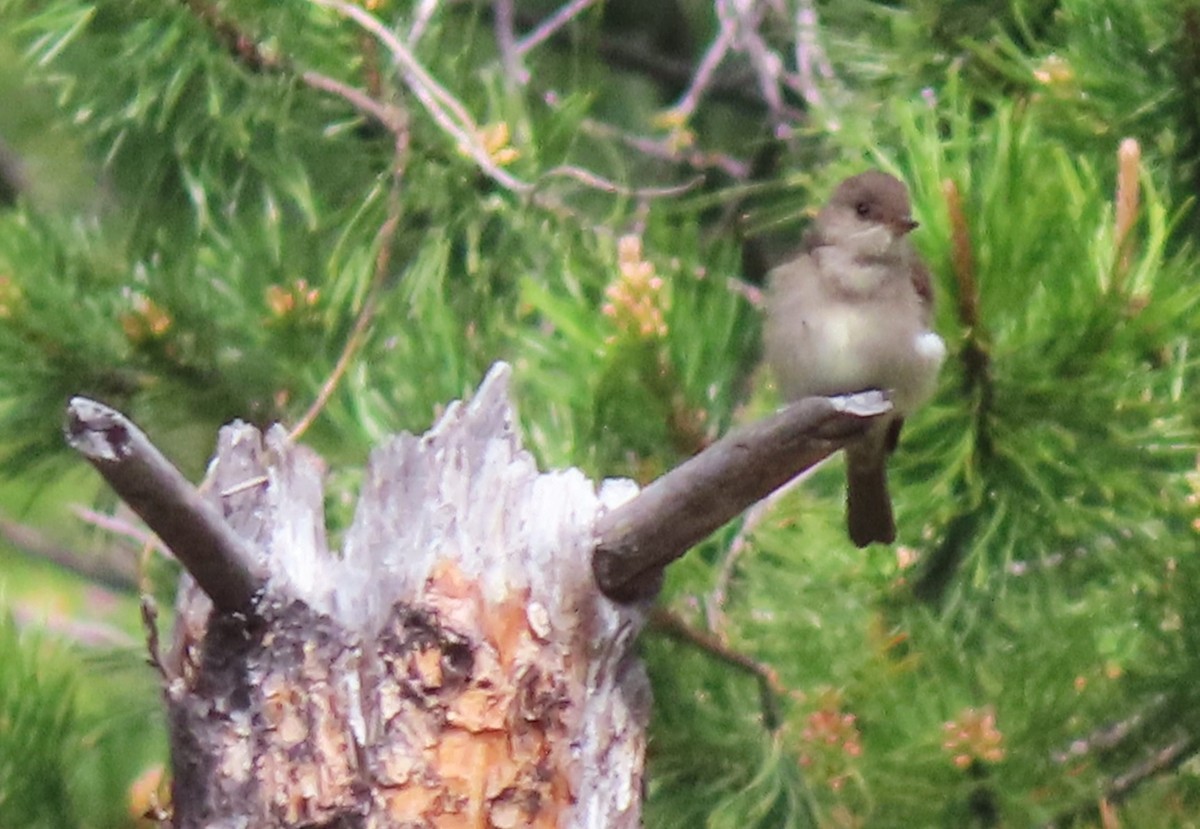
pixel 862 209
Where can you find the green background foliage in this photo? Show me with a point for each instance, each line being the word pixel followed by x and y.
pixel 199 230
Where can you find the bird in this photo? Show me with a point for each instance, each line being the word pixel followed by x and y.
pixel 853 311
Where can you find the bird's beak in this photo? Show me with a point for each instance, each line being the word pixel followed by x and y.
pixel 905 226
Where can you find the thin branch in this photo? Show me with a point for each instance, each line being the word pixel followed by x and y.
pixel 604 185
pixel 714 602
pixel 149 609
pixel 1129 157
pixel 426 9
pixel 670 624
pixel 390 117
pixel 740 24
pixel 635 541
pixel 1110 735
pixel 811 61
pixel 86 632
pixel 384 240
pixel 506 41
pixel 1163 759
pixel 111 569
pixel 117 526
pixel 713 57
pixel 664 149
pixel 236 42
pixel 976 360
pixel 548 27
pixel 223 564
pixel 446 110
pixel 767 63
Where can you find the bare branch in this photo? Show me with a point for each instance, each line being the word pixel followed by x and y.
pixel 446 110
pixel 714 602
pixel 389 117
pixel 670 624
pixel 713 56
pixel 638 539
pixel 811 59
pixel 1165 758
pixel 385 239
pixel 118 526
pixel 1129 157
pixel 87 632
pixel 548 27
pixel 664 149
pixel 506 41
pixel 223 564
pixel 114 569
pixel 426 9
pixel 599 182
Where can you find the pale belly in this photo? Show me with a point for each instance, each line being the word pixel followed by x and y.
pixel 851 347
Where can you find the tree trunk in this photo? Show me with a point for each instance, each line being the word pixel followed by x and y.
pixel 455 666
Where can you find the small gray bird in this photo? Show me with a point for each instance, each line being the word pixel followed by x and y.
pixel 853 312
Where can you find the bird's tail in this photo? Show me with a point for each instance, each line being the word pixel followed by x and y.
pixel 868 505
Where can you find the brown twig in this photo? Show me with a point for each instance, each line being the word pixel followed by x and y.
pixel 506 42
pixel 975 357
pixel 446 110
pixel 1129 157
pixel 967 294
pixel 384 240
pixel 1164 758
pixel 149 609
pixel 223 564
pixel 1160 760
pixel 548 27
pixel 714 603
pixel 670 624
pixel 635 541
pixel 112 569
pixel 664 149
pixel 1111 735
pixel 604 185
pixel 117 526
pixel 389 117
pixel 236 42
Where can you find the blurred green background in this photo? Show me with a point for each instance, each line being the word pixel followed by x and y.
pixel 215 209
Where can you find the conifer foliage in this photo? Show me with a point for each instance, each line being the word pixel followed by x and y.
pixel 338 215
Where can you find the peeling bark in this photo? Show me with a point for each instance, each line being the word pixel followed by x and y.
pixel 454 667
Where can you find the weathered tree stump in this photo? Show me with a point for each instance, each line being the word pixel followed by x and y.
pixel 455 666
pixel 460 663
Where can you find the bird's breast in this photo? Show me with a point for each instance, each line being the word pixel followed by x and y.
pixel 822 342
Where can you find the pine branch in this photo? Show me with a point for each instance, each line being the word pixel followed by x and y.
pixel 641 537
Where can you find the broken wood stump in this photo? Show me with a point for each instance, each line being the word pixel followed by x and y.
pixel 454 666
pixel 467 659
